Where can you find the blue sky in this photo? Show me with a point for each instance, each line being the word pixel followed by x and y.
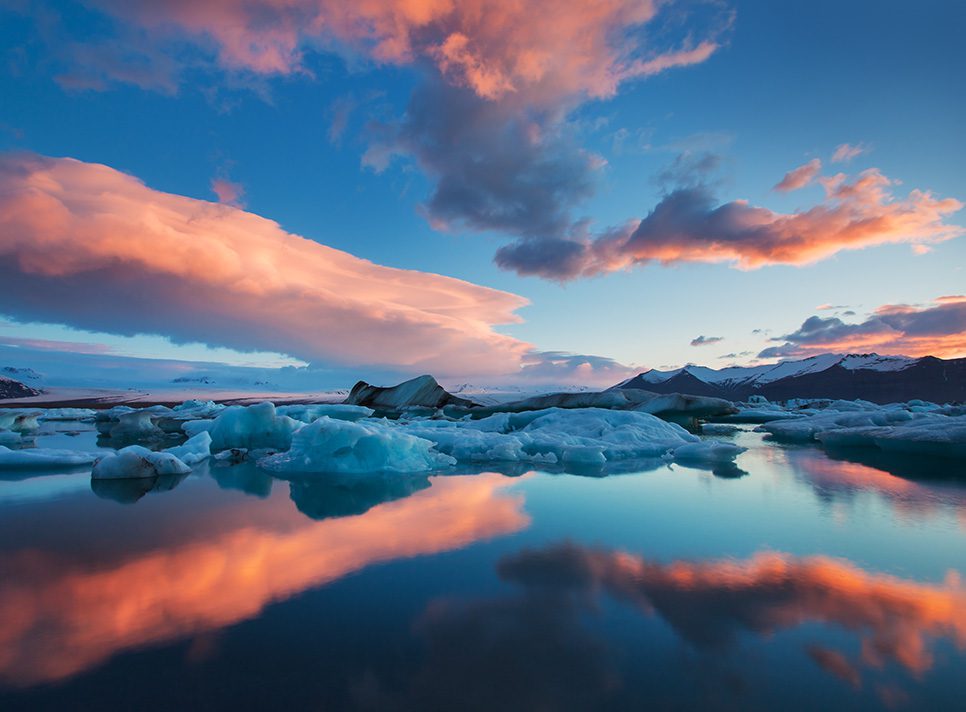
pixel 786 83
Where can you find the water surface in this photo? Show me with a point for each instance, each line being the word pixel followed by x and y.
pixel 802 580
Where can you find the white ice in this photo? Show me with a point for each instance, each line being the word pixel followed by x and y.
pixel 193 451
pixel 134 462
pixel 916 427
pixel 43 458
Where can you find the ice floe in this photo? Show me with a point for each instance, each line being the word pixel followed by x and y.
pixel 135 461
pixel 32 458
pixel 916 427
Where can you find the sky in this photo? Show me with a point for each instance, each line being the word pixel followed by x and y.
pixel 493 191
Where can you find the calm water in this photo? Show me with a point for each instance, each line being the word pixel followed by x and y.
pixel 807 583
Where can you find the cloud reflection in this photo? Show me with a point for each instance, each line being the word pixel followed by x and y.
pixel 59 618
pixel 709 603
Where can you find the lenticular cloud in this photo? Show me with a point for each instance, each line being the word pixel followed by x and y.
pixel 87 245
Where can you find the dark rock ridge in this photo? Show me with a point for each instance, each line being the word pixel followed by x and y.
pixel 423 392
pixel 927 378
pixel 10 388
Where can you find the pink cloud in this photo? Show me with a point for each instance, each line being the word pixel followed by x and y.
pixel 75 347
pixel 86 245
pixel 800 177
pixel 228 192
pixel 689 225
pixel 937 329
pixel 537 48
pixel 846 152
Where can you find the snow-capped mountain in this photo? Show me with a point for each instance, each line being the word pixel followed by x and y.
pixel 872 377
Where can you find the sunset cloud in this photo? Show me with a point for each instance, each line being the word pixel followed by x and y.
pixel 800 177
pixel 94 248
pixel 690 225
pixel 706 340
pixel 531 48
pixel 710 603
pixel 61 618
pixel 228 192
pixel 846 152
pixel 937 329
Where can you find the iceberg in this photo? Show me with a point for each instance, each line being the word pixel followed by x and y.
pixel 311 412
pixel 254 427
pixel 19 421
pixel 582 436
pixel 32 458
pixel 136 461
pixel 422 391
pixel 339 446
pixel 193 451
pixel 136 424
pixel 68 414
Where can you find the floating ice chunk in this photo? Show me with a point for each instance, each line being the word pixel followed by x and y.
pixel 135 461
pixel 253 427
pixel 555 435
pixel 719 429
pixel 195 450
pixel 9 437
pixel 43 457
pixel 199 409
pixel 19 421
pixel 136 424
pixel 946 437
pixel 707 452
pixel 68 414
pixel 313 411
pixel 339 446
pixel 193 427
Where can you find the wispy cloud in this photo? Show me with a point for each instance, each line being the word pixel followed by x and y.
pixel 706 340
pixel 846 152
pixel 800 177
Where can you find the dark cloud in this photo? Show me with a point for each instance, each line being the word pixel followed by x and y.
pixel 706 340
pixel 496 167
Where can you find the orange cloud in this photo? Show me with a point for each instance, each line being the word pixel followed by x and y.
pixel 937 329
pixel 800 177
pixel 708 603
pixel 84 244
pixel 689 225
pixel 535 48
pixel 58 618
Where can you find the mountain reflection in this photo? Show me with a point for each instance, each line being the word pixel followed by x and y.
pixel 845 480
pixel 58 618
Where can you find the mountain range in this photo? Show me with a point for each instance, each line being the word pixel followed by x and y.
pixel 871 377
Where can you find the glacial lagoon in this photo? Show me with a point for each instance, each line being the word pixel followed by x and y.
pixel 799 579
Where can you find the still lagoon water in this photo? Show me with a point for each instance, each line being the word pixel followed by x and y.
pixel 804 580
